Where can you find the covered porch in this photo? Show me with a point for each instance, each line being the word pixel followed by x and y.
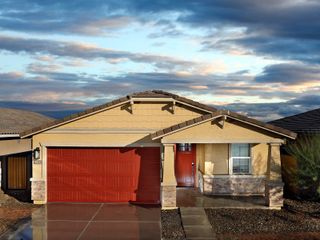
pixel 226 157
pixel 204 178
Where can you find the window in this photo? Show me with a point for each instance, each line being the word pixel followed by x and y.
pixel 184 147
pixel 240 159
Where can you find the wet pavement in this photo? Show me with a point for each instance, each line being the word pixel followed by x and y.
pixel 196 224
pixel 191 197
pixel 91 221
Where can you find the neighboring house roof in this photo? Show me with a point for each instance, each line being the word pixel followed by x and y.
pixel 227 114
pixel 14 121
pixel 154 94
pixel 302 122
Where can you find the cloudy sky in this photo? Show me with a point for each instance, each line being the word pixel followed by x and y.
pixel 260 58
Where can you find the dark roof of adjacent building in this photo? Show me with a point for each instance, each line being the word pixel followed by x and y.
pixel 226 113
pixel 302 122
pixel 15 121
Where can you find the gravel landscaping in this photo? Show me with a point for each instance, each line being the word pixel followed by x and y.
pixel 13 212
pixel 297 220
pixel 171 225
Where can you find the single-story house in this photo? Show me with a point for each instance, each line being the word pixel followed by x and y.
pixel 143 146
pixel 15 153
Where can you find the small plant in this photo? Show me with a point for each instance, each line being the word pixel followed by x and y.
pixel 306 150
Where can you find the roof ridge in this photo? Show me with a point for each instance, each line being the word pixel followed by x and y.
pixel 178 97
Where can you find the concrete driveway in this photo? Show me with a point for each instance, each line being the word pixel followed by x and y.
pixel 92 221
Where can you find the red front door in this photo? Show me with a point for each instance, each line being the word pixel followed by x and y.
pixel 104 174
pixel 185 165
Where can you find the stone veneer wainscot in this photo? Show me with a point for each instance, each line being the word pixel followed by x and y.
pixel 232 184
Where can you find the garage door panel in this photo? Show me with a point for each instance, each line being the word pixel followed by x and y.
pixel 103 174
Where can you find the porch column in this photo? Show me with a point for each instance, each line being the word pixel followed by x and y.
pixel 169 183
pixel 274 184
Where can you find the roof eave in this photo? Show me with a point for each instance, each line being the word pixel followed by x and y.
pixel 71 119
pixel 291 135
pixel 9 135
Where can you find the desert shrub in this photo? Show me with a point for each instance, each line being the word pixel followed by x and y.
pixel 306 150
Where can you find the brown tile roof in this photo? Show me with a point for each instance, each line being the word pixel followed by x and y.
pixel 149 94
pixel 218 113
pixel 145 94
pixel 15 121
pixel 302 122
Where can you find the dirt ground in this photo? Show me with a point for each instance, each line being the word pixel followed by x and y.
pixel 297 220
pixel 12 212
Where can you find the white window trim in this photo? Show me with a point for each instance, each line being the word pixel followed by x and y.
pixel 231 162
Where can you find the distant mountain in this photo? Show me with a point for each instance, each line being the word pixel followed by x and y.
pixel 59 114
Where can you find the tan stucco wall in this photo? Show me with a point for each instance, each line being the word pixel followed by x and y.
pixel 200 159
pixel 274 163
pixel 14 146
pixel 153 116
pixel 91 139
pixel 216 159
pixel 209 132
pixel 259 158
pixel 168 165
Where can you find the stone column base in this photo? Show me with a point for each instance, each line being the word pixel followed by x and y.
pixel 274 194
pixel 168 196
pixel 38 190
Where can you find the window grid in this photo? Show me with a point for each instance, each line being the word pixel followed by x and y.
pixel 240 160
pixel 240 165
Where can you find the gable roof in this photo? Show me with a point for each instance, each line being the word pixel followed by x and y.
pixel 15 121
pixel 228 114
pixel 154 94
pixel 303 122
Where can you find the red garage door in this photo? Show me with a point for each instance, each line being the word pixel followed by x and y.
pixel 103 175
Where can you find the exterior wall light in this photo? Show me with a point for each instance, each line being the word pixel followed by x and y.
pixel 36 153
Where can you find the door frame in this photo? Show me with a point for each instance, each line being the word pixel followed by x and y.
pixel 195 165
